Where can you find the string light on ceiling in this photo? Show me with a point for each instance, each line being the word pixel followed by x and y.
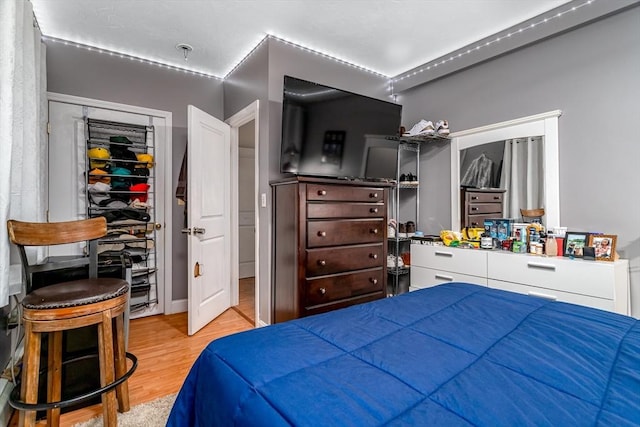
pixel 134 57
pixel 187 49
pixel 440 62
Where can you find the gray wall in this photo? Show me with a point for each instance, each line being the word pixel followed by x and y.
pixel 245 85
pixel 79 72
pixel 271 61
pixel 592 75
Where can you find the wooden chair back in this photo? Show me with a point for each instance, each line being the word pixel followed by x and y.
pixel 56 233
pixel 529 215
pixel 24 234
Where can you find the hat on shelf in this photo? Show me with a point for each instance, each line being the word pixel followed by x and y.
pixel 99 187
pixel 119 182
pixel 119 139
pixel 147 160
pixel 95 175
pixel 140 191
pixel 98 156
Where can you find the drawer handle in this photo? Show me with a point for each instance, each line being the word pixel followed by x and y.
pixel 474 209
pixel 474 197
pixel 322 291
pixel 374 256
pixel 544 296
pixel 474 223
pixel 322 262
pixel 496 197
pixel 447 254
pixel 373 231
pixel 322 192
pixel 322 233
pixel 373 210
pixel 541 265
pixel 373 280
pixel 443 277
pixel 373 195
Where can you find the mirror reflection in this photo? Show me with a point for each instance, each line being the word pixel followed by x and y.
pixel 513 165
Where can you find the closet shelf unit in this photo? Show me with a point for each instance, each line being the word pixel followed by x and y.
pixel 408 157
pixel 130 211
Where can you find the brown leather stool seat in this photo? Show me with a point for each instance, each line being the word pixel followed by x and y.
pixel 58 307
pixel 73 294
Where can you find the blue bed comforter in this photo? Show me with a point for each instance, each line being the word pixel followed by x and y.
pixel 452 355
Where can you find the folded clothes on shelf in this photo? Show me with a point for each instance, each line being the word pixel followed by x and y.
pixel 133 214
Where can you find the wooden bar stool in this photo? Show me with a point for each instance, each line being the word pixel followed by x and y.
pixel 74 304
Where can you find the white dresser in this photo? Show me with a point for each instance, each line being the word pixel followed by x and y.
pixel 603 285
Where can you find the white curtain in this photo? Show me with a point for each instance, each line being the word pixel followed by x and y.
pixel 23 115
pixel 522 175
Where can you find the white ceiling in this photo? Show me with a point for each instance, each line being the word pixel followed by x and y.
pixel 385 36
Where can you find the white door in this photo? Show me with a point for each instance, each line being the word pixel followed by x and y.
pixel 209 217
pixel 67 199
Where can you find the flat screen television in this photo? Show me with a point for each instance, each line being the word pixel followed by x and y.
pixel 331 132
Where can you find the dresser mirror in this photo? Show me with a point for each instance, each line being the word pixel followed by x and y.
pixel 539 132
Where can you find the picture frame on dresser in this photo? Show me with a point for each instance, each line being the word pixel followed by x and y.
pixel 574 243
pixel 604 246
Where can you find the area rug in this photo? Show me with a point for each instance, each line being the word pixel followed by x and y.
pixel 150 414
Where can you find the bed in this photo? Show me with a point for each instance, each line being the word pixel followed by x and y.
pixel 452 355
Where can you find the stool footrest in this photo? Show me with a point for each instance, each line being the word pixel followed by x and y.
pixel 16 403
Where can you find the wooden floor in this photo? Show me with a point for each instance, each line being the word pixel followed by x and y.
pixel 165 352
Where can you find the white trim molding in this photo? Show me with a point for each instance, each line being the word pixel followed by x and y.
pixel 545 125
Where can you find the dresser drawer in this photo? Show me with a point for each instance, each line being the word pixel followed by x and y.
pixel 327 192
pixel 336 260
pixel 342 286
pixel 471 262
pixel 554 295
pixel 346 232
pixel 484 208
pixel 478 220
pixel 483 197
pixel 556 273
pixel 427 277
pixel 345 210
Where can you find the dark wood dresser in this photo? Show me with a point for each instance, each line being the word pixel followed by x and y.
pixel 329 245
pixel 479 204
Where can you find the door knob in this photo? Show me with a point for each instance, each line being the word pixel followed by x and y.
pixel 198 230
pixel 186 231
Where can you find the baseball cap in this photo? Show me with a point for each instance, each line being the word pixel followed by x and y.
pixel 144 157
pixel 95 176
pixel 140 191
pixel 97 155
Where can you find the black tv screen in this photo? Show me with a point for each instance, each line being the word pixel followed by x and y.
pixel 331 132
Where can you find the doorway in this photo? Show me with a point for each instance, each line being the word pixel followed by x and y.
pixel 244 223
pixel 246 174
